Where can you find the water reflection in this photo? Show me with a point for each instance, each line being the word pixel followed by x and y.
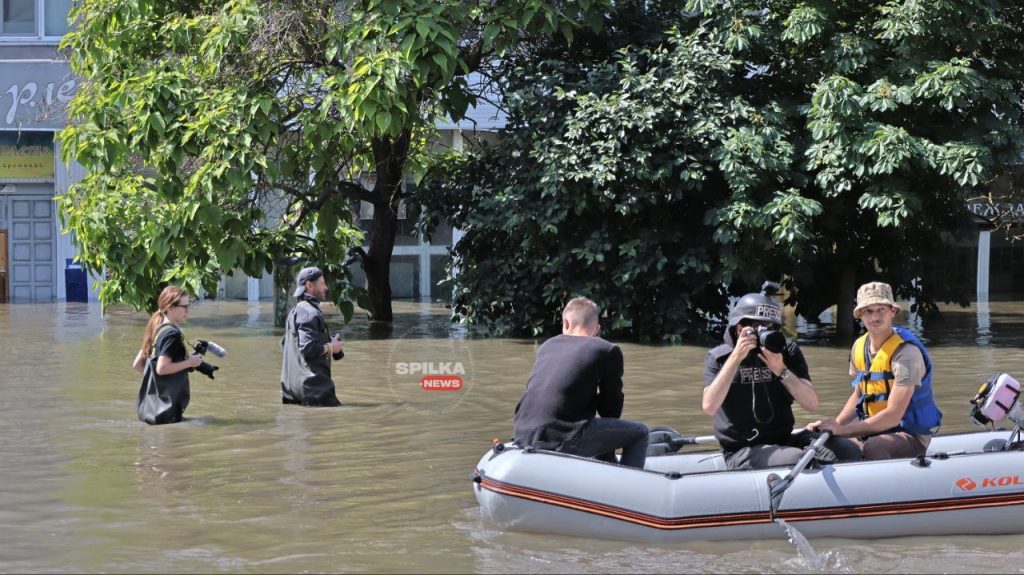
pixel 381 484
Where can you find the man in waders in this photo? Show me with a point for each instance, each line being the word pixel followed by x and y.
pixel 309 347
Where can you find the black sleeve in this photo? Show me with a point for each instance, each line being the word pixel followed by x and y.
pixel 711 369
pixel 171 344
pixel 307 326
pixel 610 397
pixel 796 363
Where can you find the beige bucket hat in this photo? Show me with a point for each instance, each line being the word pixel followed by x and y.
pixel 874 293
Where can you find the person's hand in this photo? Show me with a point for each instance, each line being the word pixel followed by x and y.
pixel 773 360
pixel 830 425
pixel 746 343
pixel 336 344
pixel 813 426
pixel 193 360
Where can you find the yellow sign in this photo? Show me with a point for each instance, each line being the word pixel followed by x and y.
pixel 26 160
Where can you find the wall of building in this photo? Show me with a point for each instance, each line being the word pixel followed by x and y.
pixel 35 86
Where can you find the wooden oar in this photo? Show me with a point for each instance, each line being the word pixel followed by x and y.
pixel 777 486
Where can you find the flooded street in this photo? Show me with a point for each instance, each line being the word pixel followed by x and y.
pixel 382 484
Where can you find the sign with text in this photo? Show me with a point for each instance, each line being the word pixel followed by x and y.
pixel 26 156
pixel 996 212
pixel 34 94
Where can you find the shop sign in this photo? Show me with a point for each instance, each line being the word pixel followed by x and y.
pixel 997 211
pixel 26 156
pixel 34 94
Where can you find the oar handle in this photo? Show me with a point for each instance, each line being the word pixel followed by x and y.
pixel 804 460
pixel 777 488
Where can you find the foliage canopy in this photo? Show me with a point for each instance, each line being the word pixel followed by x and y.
pixel 220 135
pixel 829 143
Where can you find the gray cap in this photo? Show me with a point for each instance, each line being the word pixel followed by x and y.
pixel 310 274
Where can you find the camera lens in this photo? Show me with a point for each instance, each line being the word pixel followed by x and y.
pixel 770 339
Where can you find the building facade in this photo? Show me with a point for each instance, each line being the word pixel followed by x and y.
pixel 35 87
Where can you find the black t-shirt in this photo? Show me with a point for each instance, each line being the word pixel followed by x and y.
pixel 758 409
pixel 171 343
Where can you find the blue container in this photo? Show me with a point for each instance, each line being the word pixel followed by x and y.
pixel 75 282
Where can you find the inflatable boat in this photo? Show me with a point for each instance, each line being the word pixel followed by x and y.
pixel 967 483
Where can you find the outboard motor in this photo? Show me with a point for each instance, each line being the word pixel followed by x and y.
pixel 998 399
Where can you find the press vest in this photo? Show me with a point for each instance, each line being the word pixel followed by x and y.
pixel 875 383
pixel 757 410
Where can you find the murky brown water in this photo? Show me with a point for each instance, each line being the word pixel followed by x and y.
pixel 381 485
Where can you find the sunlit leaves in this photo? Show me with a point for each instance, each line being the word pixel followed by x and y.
pixel 803 24
pixel 246 128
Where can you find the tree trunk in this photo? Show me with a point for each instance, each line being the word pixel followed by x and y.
pixel 284 285
pixel 390 158
pixel 844 320
pixel 377 263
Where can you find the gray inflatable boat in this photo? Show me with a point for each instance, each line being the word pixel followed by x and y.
pixel 968 483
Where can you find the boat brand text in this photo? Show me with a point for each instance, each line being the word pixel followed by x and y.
pixel 968 484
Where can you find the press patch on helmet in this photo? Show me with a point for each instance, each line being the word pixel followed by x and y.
pixel 769 312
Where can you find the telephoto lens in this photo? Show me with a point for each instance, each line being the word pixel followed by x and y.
pixel 770 339
pixel 207 369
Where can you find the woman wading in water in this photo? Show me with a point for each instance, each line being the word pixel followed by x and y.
pixel 164 362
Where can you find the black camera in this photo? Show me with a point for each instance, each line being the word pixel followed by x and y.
pixel 768 338
pixel 341 353
pixel 201 347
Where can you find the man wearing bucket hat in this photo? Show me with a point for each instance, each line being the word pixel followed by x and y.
pixel 750 382
pixel 308 346
pixel 891 412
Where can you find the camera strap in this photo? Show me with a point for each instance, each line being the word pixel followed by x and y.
pixel 156 335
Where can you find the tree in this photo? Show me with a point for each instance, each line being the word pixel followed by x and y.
pixel 220 135
pixel 827 143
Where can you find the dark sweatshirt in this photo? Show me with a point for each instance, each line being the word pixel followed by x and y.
pixel 574 379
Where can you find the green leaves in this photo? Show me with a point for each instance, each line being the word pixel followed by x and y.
pixel 812 141
pixel 221 136
pixel 804 24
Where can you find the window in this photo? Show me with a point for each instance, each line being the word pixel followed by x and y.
pixel 34 19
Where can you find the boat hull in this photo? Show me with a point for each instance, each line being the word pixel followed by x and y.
pixel 691 496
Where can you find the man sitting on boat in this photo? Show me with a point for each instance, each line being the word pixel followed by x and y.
pixel 576 377
pixel 891 412
pixel 750 382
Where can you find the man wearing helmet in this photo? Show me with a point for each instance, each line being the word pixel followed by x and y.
pixel 749 389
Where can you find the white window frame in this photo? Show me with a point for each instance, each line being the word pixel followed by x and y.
pixel 39 38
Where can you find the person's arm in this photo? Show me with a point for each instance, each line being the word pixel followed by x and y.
pixel 714 395
pixel 799 387
pixel 169 346
pixel 908 369
pixel 609 396
pixel 167 366
pixel 888 418
pixel 307 326
pixel 139 364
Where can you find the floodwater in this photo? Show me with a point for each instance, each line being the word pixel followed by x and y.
pixel 383 484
